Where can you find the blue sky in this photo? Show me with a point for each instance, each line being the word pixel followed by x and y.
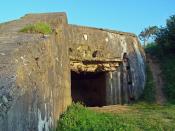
pixel 123 15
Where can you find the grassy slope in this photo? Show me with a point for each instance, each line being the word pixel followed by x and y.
pixel 139 117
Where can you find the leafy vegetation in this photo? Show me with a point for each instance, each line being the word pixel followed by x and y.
pixel 167 62
pixel 154 50
pixel 149 90
pixel 164 49
pixel 138 117
pixel 165 38
pixel 148 33
pixel 40 27
pixel 168 68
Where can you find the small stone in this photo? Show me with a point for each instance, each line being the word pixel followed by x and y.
pixel 106 39
pixel 1 87
pixel 85 37
pixel 57 59
pixel 2 54
pixel 19 43
pixel 45 36
pixel 4 98
pixel 16 60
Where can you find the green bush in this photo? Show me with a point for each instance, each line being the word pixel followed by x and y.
pixel 154 50
pixel 40 27
pixel 167 62
pixel 149 90
pixel 165 36
pixel 168 68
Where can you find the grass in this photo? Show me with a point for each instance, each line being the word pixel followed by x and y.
pixel 40 27
pixel 140 117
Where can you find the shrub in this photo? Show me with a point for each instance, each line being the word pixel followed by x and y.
pixel 167 62
pixel 168 68
pixel 149 90
pixel 154 50
pixel 165 37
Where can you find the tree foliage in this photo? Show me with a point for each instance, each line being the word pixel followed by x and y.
pixel 147 33
pixel 165 37
pixel 164 49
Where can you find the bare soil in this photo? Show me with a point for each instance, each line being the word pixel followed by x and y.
pixel 111 109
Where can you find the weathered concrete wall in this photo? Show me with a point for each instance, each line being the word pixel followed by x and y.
pixel 92 43
pixel 35 72
pixel 98 44
pixel 34 75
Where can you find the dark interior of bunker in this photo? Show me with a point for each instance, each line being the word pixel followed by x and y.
pixel 88 88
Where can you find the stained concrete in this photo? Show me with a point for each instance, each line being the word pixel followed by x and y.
pixel 35 70
pixel 101 50
pixel 34 74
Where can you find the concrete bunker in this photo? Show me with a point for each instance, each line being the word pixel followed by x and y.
pixel 89 81
pixel 35 71
pixel 113 58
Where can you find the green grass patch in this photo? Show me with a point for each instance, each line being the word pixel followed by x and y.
pixel 140 117
pixel 149 90
pixel 40 27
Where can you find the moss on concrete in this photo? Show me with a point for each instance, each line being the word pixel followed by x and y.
pixel 40 27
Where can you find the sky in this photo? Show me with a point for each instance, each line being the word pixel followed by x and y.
pixel 122 15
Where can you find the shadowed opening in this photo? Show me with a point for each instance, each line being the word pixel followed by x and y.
pixel 88 88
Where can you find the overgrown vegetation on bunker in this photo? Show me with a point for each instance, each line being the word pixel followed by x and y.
pixel 40 27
